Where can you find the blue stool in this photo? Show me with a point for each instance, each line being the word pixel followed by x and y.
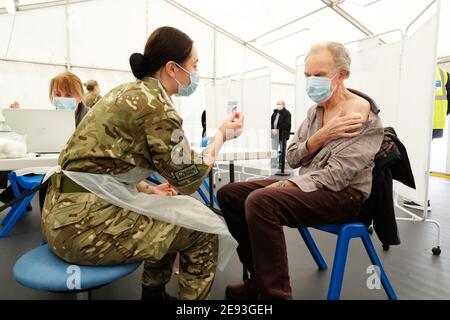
pixel 19 208
pixel 345 232
pixel 41 269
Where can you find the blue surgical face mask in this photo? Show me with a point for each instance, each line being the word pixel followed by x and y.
pixel 184 91
pixel 319 88
pixel 62 103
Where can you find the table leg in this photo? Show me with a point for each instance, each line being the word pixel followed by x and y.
pixel 231 167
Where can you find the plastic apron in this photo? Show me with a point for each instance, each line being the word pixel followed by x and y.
pixel 185 211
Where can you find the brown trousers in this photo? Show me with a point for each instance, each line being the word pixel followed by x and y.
pixel 255 216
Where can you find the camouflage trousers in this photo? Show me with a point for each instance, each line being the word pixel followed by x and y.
pixel 83 229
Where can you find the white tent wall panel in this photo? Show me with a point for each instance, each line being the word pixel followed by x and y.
pixel 417 104
pixel 190 109
pixel 211 116
pixel 253 97
pixel 217 98
pixel 27 83
pixel 161 13
pixel 248 19
pixel 325 25
pixel 444 30
pixel 257 111
pixel 6 24
pixel 107 80
pixel 386 15
pixel 105 33
pixel 379 63
pixel 231 57
pixel 234 58
pixel 302 101
pixel 38 35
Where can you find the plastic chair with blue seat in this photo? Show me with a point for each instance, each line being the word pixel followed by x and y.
pixel 205 183
pixel 345 232
pixel 28 183
pixel 41 269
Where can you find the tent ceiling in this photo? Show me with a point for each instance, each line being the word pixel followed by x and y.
pixel 312 20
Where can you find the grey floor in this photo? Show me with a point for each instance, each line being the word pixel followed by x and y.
pixel 414 272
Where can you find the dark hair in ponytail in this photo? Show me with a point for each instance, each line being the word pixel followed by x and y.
pixel 164 44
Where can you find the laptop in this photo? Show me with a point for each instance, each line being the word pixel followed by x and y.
pixel 46 131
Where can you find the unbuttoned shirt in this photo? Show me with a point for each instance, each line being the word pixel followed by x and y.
pixel 346 162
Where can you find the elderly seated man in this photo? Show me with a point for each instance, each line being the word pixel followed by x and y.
pixel 335 148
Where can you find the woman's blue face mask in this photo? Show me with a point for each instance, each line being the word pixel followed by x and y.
pixel 62 103
pixel 184 90
pixel 319 88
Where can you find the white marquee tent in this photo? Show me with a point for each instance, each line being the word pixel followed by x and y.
pixel 94 39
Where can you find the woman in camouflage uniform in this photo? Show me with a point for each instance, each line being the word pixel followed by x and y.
pixel 132 128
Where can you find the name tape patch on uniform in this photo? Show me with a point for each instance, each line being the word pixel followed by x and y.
pixel 186 173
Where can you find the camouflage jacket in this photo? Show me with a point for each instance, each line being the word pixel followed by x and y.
pixel 135 125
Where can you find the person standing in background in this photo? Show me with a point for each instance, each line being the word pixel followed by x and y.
pixel 441 111
pixel 93 95
pixel 280 123
pixel 204 123
pixel 442 96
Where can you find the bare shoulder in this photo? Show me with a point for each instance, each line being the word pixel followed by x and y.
pixel 357 105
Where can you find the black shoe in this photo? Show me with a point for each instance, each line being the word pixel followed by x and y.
pixel 158 293
pixel 242 291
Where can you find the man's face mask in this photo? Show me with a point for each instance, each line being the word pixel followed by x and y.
pixel 280 107
pixel 319 88
pixel 184 91
pixel 62 103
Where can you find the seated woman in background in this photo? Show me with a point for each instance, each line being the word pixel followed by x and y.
pixel 66 92
pixel 93 95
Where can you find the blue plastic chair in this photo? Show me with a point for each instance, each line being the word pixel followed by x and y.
pixel 155 177
pixel 205 183
pixel 345 232
pixel 19 208
pixel 41 269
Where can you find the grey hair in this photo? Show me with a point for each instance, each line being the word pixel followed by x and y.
pixel 339 52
